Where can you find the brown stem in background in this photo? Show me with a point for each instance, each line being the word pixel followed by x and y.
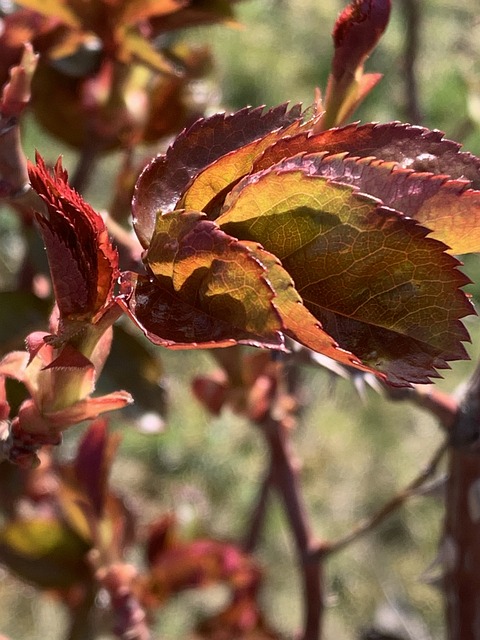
pixel 284 477
pixel 258 515
pixel 326 549
pixel 412 15
pixel 442 405
pixel 461 539
pixel 82 623
pixel 286 483
pixel 86 163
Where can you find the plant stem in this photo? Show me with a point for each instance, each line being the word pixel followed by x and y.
pixel 326 549
pixel 258 515
pixel 460 549
pixel 82 624
pixel 84 169
pixel 286 482
pixel 411 10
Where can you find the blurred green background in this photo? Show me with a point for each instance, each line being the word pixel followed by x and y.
pixel 356 451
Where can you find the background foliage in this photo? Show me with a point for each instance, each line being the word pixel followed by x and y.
pixel 355 451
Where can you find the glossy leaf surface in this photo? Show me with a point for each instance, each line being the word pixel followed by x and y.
pixel 359 268
pixel 165 179
pixel 449 208
pixel 236 288
pixel 411 147
pixel 322 219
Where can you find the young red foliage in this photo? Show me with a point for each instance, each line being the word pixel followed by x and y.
pixel 326 246
pixel 83 262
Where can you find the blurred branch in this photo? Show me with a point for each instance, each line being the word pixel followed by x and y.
pixel 460 550
pixel 442 406
pixel 82 626
pixel 258 515
pixel 412 16
pixel 326 548
pixel 285 479
pixel 86 164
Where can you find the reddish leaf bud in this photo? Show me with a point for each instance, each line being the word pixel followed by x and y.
pixel 83 262
pixel 357 30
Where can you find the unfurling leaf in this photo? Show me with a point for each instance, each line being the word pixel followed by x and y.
pixel 356 33
pixel 83 262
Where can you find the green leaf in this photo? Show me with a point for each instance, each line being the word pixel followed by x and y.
pixel 380 287
pixel 164 180
pixel 134 45
pixel 233 290
pixel 44 551
pixel 411 147
pixel 175 323
pixel 211 185
pixel 447 207
pixel 221 274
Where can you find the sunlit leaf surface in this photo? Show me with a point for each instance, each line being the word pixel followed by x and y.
pixel 358 267
pixel 165 179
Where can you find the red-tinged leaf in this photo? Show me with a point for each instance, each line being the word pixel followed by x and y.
pixel 214 272
pixel 239 287
pixel 411 147
pixel 161 536
pixel 88 409
pixel 16 94
pixel 93 462
pixel 298 322
pixel 195 14
pixel 197 564
pixel 69 358
pixel 378 286
pixel 136 10
pixel 132 45
pixel 166 177
pixel 447 207
pixel 213 182
pixel 83 262
pixel 357 30
pixel 211 390
pixel 172 322
pixel 341 105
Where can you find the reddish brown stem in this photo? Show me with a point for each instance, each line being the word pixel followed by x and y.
pixel 386 510
pixel 412 10
pixel 258 515
pixel 461 541
pixel 82 623
pixel 286 482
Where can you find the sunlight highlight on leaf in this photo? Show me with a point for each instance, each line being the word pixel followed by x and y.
pixel 352 259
